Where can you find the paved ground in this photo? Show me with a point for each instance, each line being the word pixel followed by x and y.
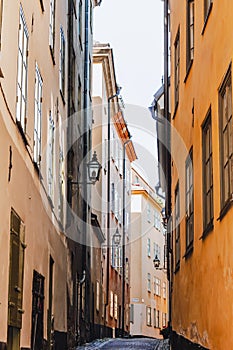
pixel 131 343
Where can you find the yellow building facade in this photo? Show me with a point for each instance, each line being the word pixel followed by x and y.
pixel 202 173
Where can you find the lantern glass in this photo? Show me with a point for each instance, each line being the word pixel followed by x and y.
pixel 156 262
pixel 94 168
pixel 117 237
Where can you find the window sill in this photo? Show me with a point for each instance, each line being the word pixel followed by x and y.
pixel 207 18
pixel 225 209
pixel 189 251
pixel 209 228
pixel 188 70
pixel 175 110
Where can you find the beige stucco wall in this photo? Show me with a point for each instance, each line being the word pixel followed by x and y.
pixel 24 192
pixel 141 263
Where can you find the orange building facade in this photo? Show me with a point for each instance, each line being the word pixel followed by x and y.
pixel 202 173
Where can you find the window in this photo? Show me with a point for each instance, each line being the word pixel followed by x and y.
pixel 157 319
pixel 73 82
pixel 190 32
pixel 207 7
pixel 37 118
pixel 128 183
pixel 157 286
pixel 1 11
pixel 80 21
pixel 148 212
pixel 208 210
pixel 62 63
pixel 189 202
pixel 127 271
pixel 131 315
pixel 111 304
pixel 116 255
pixel 50 155
pixel 164 290
pixel 113 197
pixel 61 172
pixel 148 247
pixel 103 304
pixel 177 68
pixel 177 226
pixel 157 251
pixel 17 247
pixel 21 106
pixel 121 161
pixel 97 295
pixel 37 311
pixel 52 26
pixel 116 204
pixel 148 316
pixel 164 319
pixel 226 140
pixel 157 221
pixel 149 282
pixel 115 306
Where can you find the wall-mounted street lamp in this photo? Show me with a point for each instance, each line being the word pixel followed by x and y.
pixel 93 167
pixel 156 262
pixel 116 238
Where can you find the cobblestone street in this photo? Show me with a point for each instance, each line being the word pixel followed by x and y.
pixel 134 343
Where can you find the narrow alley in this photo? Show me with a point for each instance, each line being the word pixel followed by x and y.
pixel 133 343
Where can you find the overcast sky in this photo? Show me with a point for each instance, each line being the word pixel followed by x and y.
pixel 134 29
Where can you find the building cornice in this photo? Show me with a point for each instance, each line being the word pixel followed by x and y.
pixel 147 195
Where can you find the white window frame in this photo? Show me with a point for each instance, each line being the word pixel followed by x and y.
pixel 37 117
pixel 52 25
pixel 149 282
pixel 164 319
pixel 148 316
pixel 157 286
pixel 51 146
pixel 111 304
pixel 164 290
pixel 62 63
pixel 115 307
pixel 22 75
pixel 148 247
pixel 148 212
